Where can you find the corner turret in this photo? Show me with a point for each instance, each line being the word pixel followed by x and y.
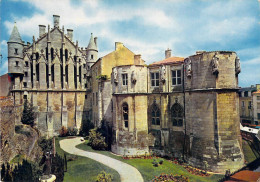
pixel 92 51
pixel 15 52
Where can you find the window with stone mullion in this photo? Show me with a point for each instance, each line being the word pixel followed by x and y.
pixel 177 115
pixel 124 79
pixel 155 115
pixel 155 79
pixel 176 77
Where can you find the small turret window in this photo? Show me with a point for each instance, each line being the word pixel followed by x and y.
pixel 24 84
pixel 26 64
pixel 16 51
pixel 16 63
pixel 25 74
pixel 125 114
pixel 92 57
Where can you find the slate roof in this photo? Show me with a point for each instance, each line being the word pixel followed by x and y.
pixel 15 36
pixel 91 44
pixel 169 60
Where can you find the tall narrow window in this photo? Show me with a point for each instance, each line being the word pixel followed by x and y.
pixel 243 103
pixel 80 74
pixel 66 73
pixel 26 74
pixel 26 64
pixel 96 98
pixel 176 77
pixel 66 54
pixel 37 72
pixel 92 57
pixel 16 63
pixel 52 53
pixel 52 73
pixel 16 51
pixel 125 79
pixel 125 114
pixel 177 115
pixel 155 79
pixel 155 115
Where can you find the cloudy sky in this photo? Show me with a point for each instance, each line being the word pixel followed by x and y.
pixel 147 27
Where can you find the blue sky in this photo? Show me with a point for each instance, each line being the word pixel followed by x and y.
pixel 147 27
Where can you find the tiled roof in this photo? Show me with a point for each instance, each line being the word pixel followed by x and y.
pixel 257 92
pixel 169 60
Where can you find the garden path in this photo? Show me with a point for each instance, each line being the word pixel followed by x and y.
pixel 127 173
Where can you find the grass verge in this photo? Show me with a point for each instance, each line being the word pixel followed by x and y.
pixel 147 169
pixel 82 169
pixel 248 153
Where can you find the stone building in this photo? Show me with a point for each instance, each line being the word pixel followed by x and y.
pixel 256 105
pixel 182 107
pixel 52 73
pixel 248 105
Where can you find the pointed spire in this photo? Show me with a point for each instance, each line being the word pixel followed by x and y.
pixel 92 44
pixel 15 36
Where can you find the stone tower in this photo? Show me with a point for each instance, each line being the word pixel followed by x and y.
pixel 15 56
pixel 92 51
pixel 212 111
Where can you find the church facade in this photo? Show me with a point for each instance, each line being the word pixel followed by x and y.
pixel 180 107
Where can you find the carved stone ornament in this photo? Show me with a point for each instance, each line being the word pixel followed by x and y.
pixel 188 68
pixel 133 78
pixel 163 73
pixel 237 66
pixel 115 75
pixel 215 64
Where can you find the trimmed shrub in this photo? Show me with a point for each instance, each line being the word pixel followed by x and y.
pixel 72 131
pixel 63 131
pixel 96 140
pixel 28 115
pixel 104 177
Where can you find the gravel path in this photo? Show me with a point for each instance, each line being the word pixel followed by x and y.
pixel 127 173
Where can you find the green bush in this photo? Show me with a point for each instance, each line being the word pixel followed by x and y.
pixel 104 177
pixel 161 161
pixel 72 131
pixel 45 144
pixel 96 140
pixel 28 115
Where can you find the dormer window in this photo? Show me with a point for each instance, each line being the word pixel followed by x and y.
pixel 16 51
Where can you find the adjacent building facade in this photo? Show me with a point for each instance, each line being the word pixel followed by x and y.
pixel 182 107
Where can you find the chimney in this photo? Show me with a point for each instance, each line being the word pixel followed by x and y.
pixel 168 53
pixel 41 30
pixel 137 59
pixel 118 45
pixel 95 40
pixel 56 20
pixel 70 34
pixel 200 52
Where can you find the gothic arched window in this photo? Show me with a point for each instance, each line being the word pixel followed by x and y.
pixel 155 115
pixel 125 114
pixel 177 115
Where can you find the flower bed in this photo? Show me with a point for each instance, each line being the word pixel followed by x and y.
pixel 196 171
pixel 170 177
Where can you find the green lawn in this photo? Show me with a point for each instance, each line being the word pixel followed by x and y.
pixel 82 169
pixel 249 155
pixel 148 171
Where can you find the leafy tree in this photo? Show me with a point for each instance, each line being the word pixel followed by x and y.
pixel 3 172
pixel 96 140
pixel 106 132
pixel 45 144
pixel 87 125
pixel 57 167
pixel 29 115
